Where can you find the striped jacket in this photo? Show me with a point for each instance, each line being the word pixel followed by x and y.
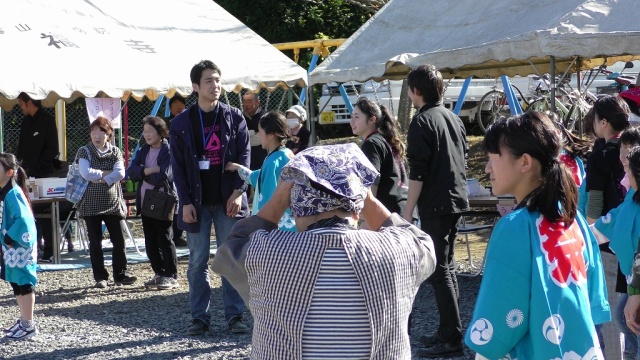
pixel 275 271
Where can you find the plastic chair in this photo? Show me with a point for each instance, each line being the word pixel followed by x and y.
pixel 465 228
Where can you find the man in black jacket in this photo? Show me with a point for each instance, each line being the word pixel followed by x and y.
pixel 437 186
pixel 38 145
pixel 37 149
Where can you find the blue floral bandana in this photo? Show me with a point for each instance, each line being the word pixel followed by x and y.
pixel 327 178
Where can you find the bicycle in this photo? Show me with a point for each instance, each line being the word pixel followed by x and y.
pixel 498 107
pixel 571 105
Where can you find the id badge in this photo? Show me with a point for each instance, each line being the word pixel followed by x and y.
pixel 204 164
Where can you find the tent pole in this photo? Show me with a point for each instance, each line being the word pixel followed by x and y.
pixel 463 94
pixel 312 66
pixel 345 97
pixel 312 120
pixel 535 68
pixel 579 74
pixel 578 86
pixel 514 105
pixel 156 105
pixel 552 72
pixel 61 123
pixel 125 124
pixel 1 130
pixel 167 110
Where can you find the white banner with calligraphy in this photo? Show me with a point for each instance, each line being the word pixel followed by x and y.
pixel 70 49
pixel 107 107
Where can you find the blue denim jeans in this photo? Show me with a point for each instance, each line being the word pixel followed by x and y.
pixel 198 270
pixel 631 340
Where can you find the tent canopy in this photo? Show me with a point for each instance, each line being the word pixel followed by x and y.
pixel 485 38
pixel 119 48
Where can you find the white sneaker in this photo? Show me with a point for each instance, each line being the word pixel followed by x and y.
pixel 154 282
pixel 167 283
pixel 13 328
pixel 23 332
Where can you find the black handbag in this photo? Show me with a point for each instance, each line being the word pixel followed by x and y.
pixel 159 205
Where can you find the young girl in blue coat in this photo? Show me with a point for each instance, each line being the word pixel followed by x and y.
pixel 621 228
pixel 273 133
pixel 543 289
pixel 18 238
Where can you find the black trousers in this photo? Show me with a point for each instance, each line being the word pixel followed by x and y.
pixel 443 230
pixel 161 250
pixel 94 230
pixel 177 232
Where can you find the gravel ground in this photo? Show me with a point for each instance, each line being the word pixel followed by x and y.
pixel 77 321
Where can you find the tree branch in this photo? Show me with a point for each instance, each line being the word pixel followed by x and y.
pixel 371 6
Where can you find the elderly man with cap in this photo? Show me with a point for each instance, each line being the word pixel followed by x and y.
pixel 299 134
pixel 252 113
pixel 309 291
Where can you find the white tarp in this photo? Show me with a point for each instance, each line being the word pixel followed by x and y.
pixel 485 38
pixel 80 48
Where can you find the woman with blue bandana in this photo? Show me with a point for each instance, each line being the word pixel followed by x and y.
pixel 309 291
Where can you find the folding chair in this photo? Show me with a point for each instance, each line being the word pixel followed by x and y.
pixel 465 228
pixel 127 229
pixel 80 232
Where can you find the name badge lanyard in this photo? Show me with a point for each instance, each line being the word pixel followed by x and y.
pixel 208 137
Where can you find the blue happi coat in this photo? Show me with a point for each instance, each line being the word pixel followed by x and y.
pixel 21 258
pixel 542 292
pixel 621 226
pixel 265 181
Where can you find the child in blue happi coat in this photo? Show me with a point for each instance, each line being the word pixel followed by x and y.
pixel 19 251
pixel 621 228
pixel 273 133
pixel 543 288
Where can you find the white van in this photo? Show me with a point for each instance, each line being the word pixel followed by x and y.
pixel 334 111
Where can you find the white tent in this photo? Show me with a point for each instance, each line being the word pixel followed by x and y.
pixel 485 37
pixel 119 48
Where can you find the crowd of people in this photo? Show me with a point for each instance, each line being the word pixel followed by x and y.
pixel 339 238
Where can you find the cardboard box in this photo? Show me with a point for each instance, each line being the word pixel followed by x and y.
pixel 52 187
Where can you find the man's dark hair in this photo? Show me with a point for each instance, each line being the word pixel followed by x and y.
pixel 199 68
pixel 26 98
pixel 256 96
pixel 177 97
pixel 428 80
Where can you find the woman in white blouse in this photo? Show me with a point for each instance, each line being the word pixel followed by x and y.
pixel 102 165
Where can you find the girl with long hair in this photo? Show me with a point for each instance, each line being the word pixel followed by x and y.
pixel 273 133
pixel 384 148
pixel 542 291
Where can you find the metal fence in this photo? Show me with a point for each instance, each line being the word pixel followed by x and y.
pixel 77 119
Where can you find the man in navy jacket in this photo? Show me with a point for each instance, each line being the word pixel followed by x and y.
pixel 203 139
